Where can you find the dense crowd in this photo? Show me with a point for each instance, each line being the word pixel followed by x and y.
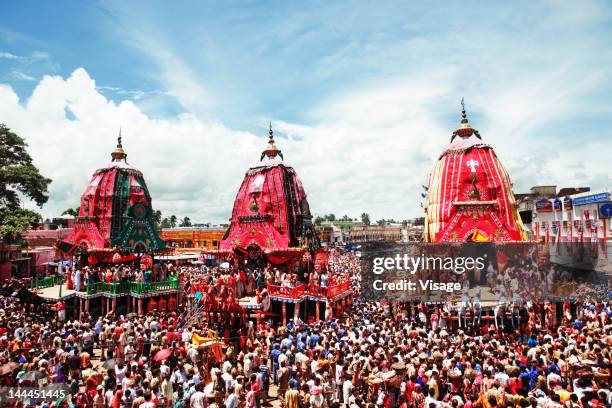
pixel 379 354
pixel 87 275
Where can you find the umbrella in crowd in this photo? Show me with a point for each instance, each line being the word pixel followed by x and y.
pixel 110 363
pixel 8 368
pixel 162 355
pixel 33 376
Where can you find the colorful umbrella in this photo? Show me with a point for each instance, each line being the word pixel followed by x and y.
pixel 162 355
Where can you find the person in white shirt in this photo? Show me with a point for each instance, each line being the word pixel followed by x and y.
pixel 129 352
pixel 347 390
pixel 120 370
pixel 198 399
pixel 430 401
pixel 232 399
pixel 247 364
pixel 339 377
pixel 108 396
pixel 282 357
pixel 229 382
pixel 164 370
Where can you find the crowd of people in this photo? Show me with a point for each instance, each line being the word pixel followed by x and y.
pixel 81 277
pixel 378 354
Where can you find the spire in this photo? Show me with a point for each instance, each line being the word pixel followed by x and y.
pixel 465 130
pixel 119 154
pixel 271 151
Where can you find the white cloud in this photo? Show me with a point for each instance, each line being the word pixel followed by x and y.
pixel 36 55
pixel 8 55
pixel 536 86
pixel 186 162
pixel 39 55
pixel 21 76
pixel 135 95
pixel 369 150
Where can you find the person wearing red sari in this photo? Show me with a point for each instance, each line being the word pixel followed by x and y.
pixel 116 401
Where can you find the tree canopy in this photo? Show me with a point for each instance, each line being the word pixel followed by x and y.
pixel 169 222
pixel 18 177
pixel 71 211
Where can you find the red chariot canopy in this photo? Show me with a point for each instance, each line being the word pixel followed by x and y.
pixel 470 198
pixel 115 211
pixel 271 213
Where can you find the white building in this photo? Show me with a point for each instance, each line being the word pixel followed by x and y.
pixel 580 217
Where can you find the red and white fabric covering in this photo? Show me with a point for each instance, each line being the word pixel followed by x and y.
pixel 470 196
pixel 270 212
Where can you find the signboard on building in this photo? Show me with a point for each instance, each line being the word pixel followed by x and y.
pixel 605 211
pixel 545 205
pixel 592 199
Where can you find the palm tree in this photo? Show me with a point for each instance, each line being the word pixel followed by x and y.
pixel 157 217
pixel 365 218
pixel 186 222
pixel 173 221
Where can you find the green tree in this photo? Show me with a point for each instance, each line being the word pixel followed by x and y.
pixel 72 211
pixel 318 220
pixel 165 223
pixel 186 222
pixel 157 218
pixel 18 176
pixel 173 221
pixel 330 217
pixel 381 222
pixel 365 218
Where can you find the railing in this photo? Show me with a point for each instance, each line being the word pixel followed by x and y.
pixel 139 288
pixel 297 292
pixel 46 282
pixel 119 287
pixel 338 289
pixel 92 288
pixel 329 292
pixel 287 291
pixel 148 287
pixel 317 291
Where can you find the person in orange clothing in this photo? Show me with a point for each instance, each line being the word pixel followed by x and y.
pixel 116 401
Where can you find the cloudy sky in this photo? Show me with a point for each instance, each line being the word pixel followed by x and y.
pixel 363 95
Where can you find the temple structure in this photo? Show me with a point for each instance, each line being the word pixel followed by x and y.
pixel 115 225
pixel 115 216
pixel 271 218
pixel 271 223
pixel 470 198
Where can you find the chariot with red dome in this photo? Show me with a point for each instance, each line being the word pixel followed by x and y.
pixel 470 197
pixel 271 227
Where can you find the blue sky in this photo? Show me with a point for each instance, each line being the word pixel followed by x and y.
pixel 364 94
